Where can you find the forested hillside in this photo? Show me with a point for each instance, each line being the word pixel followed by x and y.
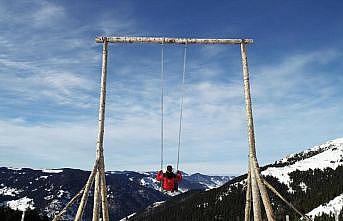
pixel 310 180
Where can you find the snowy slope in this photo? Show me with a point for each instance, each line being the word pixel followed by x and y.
pixel 329 155
pixel 21 204
pixel 311 179
pixel 332 207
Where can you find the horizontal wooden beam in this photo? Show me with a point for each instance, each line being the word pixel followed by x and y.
pixel 172 40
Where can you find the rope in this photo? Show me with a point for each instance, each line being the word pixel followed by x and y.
pixel 181 106
pixel 162 105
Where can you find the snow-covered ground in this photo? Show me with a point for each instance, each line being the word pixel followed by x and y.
pixel 332 207
pixel 8 191
pixel 52 171
pixel 21 204
pixel 330 158
pixel 128 217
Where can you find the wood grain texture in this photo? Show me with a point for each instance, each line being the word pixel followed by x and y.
pixel 119 39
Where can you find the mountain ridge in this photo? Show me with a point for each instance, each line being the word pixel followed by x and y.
pixel 311 179
pixel 49 190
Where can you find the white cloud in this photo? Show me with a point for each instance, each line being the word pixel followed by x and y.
pixel 53 145
pixel 63 67
pixel 48 13
pixel 29 81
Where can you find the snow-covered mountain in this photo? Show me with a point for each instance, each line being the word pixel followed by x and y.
pixel 196 181
pixel 327 155
pixel 312 180
pixel 322 157
pixel 50 190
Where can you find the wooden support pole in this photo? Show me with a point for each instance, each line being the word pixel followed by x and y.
pixel 100 141
pixel 96 202
pixel 264 194
pixel 248 196
pixel 336 215
pixel 172 40
pixel 103 189
pixel 251 139
pixel 256 202
pixel 84 198
pixel 255 172
pixel 71 202
pixel 23 215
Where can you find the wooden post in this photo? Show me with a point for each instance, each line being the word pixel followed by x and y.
pixel 100 141
pixel 117 39
pixel 264 193
pixel 23 215
pixel 59 215
pixel 83 202
pixel 103 189
pixel 336 215
pixel 248 196
pixel 255 196
pixel 255 173
pixel 287 217
pixel 99 169
pixel 96 202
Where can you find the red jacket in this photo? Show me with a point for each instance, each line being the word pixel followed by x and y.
pixel 169 179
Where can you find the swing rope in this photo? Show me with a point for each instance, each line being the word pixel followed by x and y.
pixel 181 106
pixel 162 105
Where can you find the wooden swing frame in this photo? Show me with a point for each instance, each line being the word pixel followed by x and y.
pixel 256 185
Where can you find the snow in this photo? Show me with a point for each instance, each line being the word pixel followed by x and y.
pixel 335 205
pixel 218 182
pixel 303 186
pixel 49 197
pixel 156 204
pixel 203 205
pixel 52 171
pixel 21 204
pixel 60 193
pixel 128 217
pixel 52 207
pixel 150 182
pixel 8 191
pixel 143 183
pixel 330 158
pixel 49 189
pixel 14 168
pixel 338 141
pixel 209 186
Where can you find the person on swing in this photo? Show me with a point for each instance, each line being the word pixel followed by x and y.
pixel 169 179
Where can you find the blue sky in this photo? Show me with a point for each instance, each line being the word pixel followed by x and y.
pixel 50 74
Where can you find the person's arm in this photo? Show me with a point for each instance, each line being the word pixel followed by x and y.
pixel 159 175
pixel 179 176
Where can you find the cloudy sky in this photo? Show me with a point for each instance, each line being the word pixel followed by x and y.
pixel 50 73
